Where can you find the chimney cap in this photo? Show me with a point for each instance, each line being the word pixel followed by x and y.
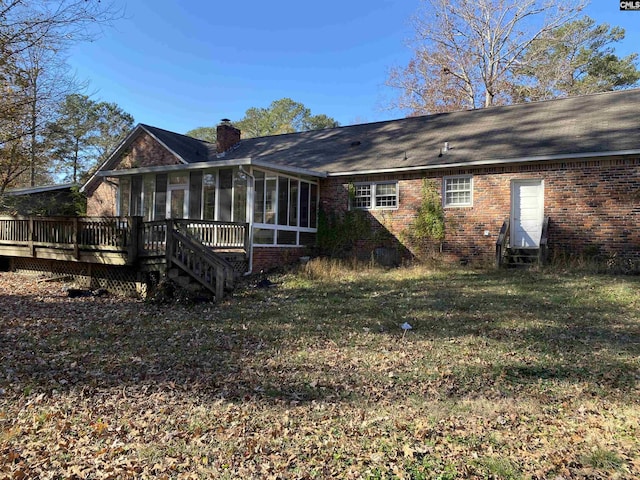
pixel 225 121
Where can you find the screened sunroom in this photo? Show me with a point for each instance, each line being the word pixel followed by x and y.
pixel 278 208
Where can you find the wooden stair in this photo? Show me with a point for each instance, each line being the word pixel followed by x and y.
pixel 514 257
pixel 200 263
pixel 521 257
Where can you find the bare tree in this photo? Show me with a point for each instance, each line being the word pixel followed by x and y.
pixel 465 52
pixel 34 35
pixel 25 23
pixel 47 82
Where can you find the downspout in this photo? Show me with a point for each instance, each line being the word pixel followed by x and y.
pixel 250 203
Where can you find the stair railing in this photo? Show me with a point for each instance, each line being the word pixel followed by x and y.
pixel 543 252
pixel 502 243
pixel 203 265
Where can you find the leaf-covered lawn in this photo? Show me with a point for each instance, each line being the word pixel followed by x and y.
pixel 504 375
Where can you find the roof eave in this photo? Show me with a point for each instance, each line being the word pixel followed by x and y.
pixel 212 164
pixel 40 189
pixel 480 163
pixel 289 169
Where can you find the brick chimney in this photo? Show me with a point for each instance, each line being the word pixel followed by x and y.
pixel 226 136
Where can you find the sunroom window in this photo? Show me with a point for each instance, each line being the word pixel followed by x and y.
pixel 284 208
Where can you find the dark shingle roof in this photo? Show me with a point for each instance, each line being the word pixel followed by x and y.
pixel 589 124
pixel 572 127
pixel 190 149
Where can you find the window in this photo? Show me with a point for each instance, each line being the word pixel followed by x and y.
pixel 386 195
pixel 160 204
pixel 125 196
pixel 284 210
pixel 239 196
pixel 458 191
pixel 195 194
pixel 225 194
pixel 209 196
pixel 375 195
pixel 313 207
pixel 149 188
pixel 258 197
pixel 136 196
pixel 362 196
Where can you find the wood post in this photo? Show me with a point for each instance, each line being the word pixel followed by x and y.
pixel 247 238
pixel 220 282
pixel 75 235
pixel 133 240
pixel 31 236
pixel 169 242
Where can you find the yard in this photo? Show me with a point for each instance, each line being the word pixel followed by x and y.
pixel 504 375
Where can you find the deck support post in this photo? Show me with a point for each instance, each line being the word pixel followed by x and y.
pixel 31 237
pixel 169 241
pixel 75 236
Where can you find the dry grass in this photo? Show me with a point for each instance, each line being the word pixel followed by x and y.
pixel 504 375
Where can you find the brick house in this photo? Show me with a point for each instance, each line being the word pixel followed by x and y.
pixel 573 161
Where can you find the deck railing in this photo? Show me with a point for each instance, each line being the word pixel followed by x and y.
pixel 216 234
pixel 212 234
pixel 69 233
pixel 129 236
pixel 14 230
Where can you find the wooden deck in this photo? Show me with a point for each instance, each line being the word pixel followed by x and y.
pixel 110 240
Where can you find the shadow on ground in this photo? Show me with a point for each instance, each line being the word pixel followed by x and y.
pixel 475 334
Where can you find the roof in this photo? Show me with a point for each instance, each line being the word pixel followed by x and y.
pixel 591 125
pixel 575 127
pixel 185 149
pixel 188 149
pixel 41 189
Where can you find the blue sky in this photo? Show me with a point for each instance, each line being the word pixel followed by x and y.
pixel 181 64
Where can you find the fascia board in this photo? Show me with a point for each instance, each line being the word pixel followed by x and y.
pixel 480 163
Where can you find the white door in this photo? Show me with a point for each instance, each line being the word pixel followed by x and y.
pixel 527 213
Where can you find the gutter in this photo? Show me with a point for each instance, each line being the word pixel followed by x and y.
pixel 478 163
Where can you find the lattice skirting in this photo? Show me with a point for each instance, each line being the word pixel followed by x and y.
pixel 118 280
pixel 239 262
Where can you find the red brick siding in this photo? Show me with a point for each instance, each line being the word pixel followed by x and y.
pixel 145 151
pixel 590 203
pixel 102 201
pixel 266 258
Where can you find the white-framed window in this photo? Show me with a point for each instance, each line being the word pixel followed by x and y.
pixel 284 210
pixel 375 196
pixel 458 191
pixel 362 196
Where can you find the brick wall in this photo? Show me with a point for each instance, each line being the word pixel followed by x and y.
pixel 266 258
pixel 592 205
pixel 102 201
pixel 145 151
